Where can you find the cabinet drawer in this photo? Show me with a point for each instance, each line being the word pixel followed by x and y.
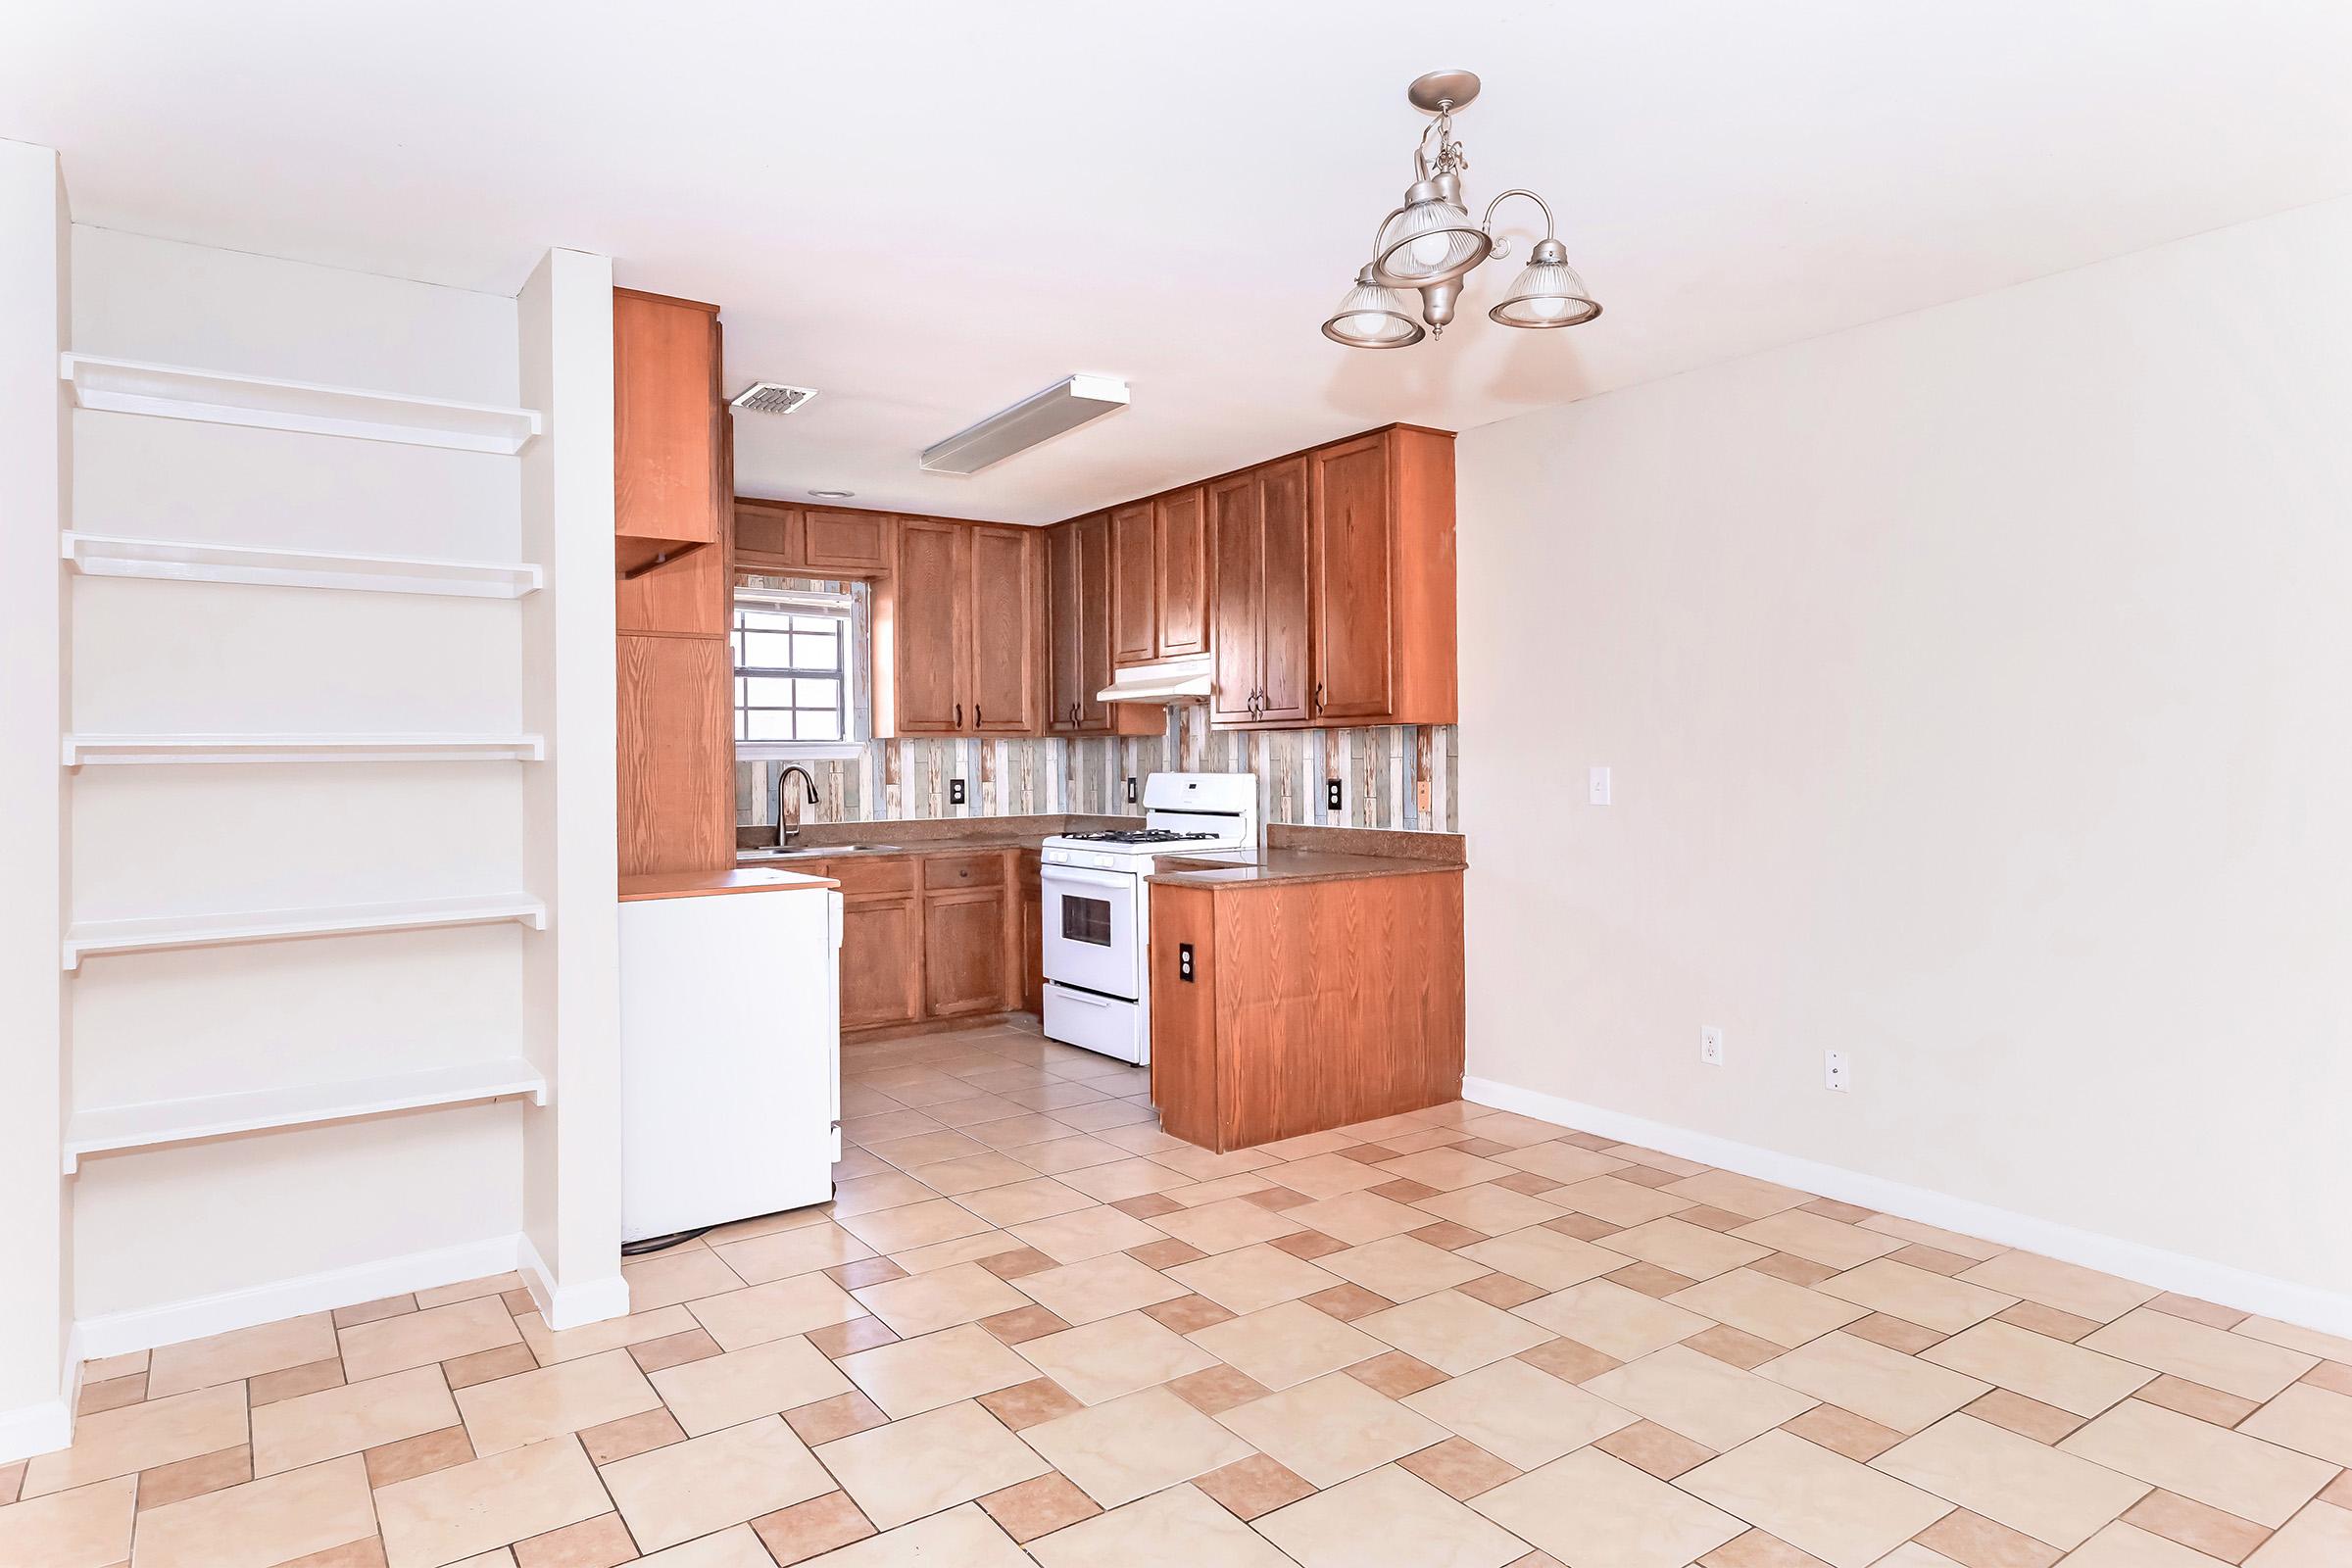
pixel 982 870
pixel 881 874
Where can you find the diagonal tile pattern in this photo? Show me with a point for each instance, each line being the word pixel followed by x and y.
pixel 1034 1328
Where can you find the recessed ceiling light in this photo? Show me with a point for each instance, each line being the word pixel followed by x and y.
pixel 832 495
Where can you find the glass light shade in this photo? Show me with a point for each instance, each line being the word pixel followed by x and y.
pixel 1428 242
pixel 1372 317
pixel 1546 294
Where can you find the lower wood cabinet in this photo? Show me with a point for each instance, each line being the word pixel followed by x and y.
pixel 948 934
pixel 1311 1004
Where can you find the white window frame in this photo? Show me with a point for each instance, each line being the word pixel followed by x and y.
pixel 802 601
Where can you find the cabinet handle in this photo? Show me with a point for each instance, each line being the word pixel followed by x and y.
pixel 1318 697
pixel 959 715
pixel 976 716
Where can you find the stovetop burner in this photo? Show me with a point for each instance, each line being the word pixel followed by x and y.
pixel 1136 835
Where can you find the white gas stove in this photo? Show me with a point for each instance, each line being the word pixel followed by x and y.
pixel 1097 908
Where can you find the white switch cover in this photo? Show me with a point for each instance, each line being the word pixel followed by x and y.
pixel 1710 1044
pixel 1835 1074
pixel 1600 786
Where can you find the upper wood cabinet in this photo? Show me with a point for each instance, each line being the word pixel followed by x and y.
pixel 1259 619
pixel 1077 642
pixel 1159 570
pixel 1180 535
pixel 1380 551
pixel 1134 586
pixel 670 446
pixel 812 541
pixel 959 621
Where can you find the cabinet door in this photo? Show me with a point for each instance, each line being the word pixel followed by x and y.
pixel 667 423
pixel 675 730
pixel 845 541
pixel 1094 623
pixel 1181 534
pixel 1134 586
pixel 1065 650
pixel 1285 680
pixel 1002 586
pixel 1029 892
pixel 933 634
pixel 1238 604
pixel 964 951
pixel 881 960
pixel 1350 516
pixel 768 533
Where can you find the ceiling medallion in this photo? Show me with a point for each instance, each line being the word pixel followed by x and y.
pixel 1429 245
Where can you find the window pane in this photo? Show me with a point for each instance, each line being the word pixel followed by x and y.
pixel 767 724
pixel 815 726
pixel 815 653
pixel 765 620
pixel 769 691
pixel 824 694
pixel 768 649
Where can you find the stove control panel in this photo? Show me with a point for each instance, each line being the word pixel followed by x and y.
pixel 1094 857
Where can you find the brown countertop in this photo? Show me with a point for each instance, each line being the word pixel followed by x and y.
pixel 979 844
pixel 705 884
pixel 1228 867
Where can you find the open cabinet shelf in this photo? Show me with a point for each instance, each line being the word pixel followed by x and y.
pixel 224 397
pixel 156 933
pixel 109 1128
pixel 174 561
pixel 85 750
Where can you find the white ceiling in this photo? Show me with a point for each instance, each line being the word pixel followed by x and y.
pixel 929 210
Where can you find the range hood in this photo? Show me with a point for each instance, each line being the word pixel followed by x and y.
pixel 1173 681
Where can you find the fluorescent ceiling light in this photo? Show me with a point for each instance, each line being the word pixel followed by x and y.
pixel 1064 405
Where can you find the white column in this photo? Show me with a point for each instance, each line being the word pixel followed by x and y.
pixel 36 1371
pixel 571 1150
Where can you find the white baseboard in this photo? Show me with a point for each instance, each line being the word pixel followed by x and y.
pixel 46 1426
pixel 2305 1306
pixel 568 1306
pixel 145 1328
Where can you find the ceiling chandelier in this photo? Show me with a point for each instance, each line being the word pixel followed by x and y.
pixel 1429 246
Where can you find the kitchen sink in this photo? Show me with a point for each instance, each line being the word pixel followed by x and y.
pixel 817 852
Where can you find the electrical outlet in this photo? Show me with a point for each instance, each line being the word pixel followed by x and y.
pixel 954 792
pixel 1421 799
pixel 1600 786
pixel 1710 1044
pixel 1335 795
pixel 1836 1076
pixel 1183 962
pixel 1131 790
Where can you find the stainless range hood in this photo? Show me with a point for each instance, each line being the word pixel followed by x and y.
pixel 1173 681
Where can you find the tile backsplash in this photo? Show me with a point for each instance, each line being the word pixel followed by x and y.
pixel 1385 773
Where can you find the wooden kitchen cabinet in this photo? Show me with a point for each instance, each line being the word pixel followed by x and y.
pixel 1259 610
pixel 946 935
pixel 1029 958
pixel 1078 639
pixel 1380 512
pixel 881 960
pixel 965 952
pixel 669 448
pixel 675 739
pixel 1312 1006
pixel 1160 572
pixel 960 617
pixel 776 536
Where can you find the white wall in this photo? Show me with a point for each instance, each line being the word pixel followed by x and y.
pixel 191 1239
pixel 35 1300
pixel 1978 686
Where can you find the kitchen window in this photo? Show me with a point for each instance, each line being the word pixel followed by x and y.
pixel 796 672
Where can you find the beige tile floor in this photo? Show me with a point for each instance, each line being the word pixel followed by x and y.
pixel 1034 1328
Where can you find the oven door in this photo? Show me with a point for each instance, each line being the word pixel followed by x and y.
pixel 1090 929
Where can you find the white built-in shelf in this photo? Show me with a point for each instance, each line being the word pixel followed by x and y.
pixel 109 1128
pixel 98 555
pixel 84 750
pixel 224 397
pixel 155 933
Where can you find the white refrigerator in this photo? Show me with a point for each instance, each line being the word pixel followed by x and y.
pixel 730 1056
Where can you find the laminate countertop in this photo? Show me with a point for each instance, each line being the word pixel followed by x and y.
pixel 706 884
pixel 1227 867
pixel 979 844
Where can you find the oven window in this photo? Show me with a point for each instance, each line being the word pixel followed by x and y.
pixel 1086 920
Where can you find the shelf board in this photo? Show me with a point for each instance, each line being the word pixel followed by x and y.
pixel 156 933
pixel 84 750
pixel 636 554
pixel 100 556
pixel 224 397
pixel 111 1128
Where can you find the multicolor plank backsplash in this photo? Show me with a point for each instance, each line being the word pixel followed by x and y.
pixel 1398 777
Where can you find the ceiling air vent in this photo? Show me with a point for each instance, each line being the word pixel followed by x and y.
pixel 772 397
